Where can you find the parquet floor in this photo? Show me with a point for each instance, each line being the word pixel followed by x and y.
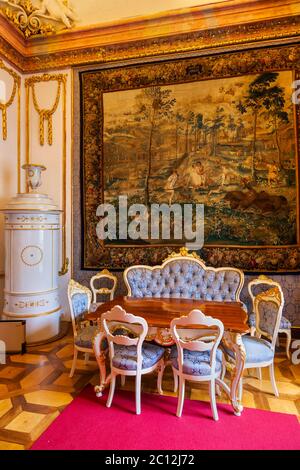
pixel 35 388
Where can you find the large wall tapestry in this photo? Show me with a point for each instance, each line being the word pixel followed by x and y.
pixel 221 131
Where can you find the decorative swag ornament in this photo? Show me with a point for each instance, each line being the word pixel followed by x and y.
pixel 45 114
pixel 4 106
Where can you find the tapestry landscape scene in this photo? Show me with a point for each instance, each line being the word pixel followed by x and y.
pixel 228 144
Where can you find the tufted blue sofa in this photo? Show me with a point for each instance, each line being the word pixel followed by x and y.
pixel 184 277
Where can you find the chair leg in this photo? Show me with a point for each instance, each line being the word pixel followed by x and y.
pixel 223 372
pixel 111 390
pixel 259 374
pixel 123 379
pixel 181 397
pixel 240 389
pixel 213 404
pixel 161 369
pixel 74 362
pixel 86 358
pixel 273 382
pixel 252 330
pixel 175 376
pixel 138 379
pixel 223 369
pixel 288 342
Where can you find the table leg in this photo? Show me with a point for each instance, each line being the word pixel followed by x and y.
pixel 100 355
pixel 234 342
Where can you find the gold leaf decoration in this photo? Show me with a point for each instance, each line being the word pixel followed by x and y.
pixel 4 106
pixel 46 19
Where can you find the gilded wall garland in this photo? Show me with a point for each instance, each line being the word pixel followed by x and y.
pixel 46 114
pixel 4 107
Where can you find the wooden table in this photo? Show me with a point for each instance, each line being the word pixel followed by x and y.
pixel 160 311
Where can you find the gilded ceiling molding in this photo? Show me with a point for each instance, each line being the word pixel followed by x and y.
pixel 48 17
pixel 47 114
pixel 229 37
pixel 233 36
pixel 9 53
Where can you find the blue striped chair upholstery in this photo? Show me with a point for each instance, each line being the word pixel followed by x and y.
pixel 196 362
pixel 80 301
pixel 285 324
pixel 257 286
pixel 260 349
pixel 126 356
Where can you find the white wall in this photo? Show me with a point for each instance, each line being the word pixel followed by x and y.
pixel 8 162
pixel 50 156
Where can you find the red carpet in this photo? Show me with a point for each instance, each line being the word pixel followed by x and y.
pixel 87 424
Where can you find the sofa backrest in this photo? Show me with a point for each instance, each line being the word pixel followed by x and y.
pixel 184 277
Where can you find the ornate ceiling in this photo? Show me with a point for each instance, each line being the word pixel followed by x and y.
pixel 92 12
pixel 47 34
pixel 45 17
pixel 35 17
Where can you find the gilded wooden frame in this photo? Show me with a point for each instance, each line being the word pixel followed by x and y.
pixel 96 48
pixel 267 258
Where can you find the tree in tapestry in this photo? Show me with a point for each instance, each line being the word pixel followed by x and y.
pixel 226 143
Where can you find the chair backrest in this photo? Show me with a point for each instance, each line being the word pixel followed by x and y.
pixel 80 298
pixel 209 340
pixel 106 276
pixel 268 306
pixel 260 284
pixel 117 315
pixel 184 275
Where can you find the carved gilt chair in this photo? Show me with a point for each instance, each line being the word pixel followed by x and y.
pixel 182 275
pixel 197 359
pixel 108 277
pixel 285 324
pixel 268 306
pixel 80 300
pixel 129 356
